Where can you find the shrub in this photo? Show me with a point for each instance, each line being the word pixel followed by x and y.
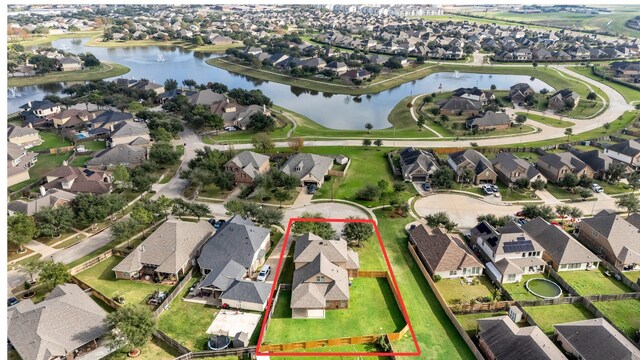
pixel 436 278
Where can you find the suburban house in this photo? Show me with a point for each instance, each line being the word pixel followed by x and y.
pixel 474 94
pixel 456 106
pixel 65 324
pixel 561 250
pixel 70 63
pixel 122 154
pixel 235 114
pixel 556 166
pixel 512 252
pixel 598 161
pixel 229 260
pixel 69 118
pixel 443 254
pixel 48 199
pixel 106 122
pixel 613 238
pixel 417 164
pixel 634 219
pixel 131 133
pixel 206 97
pixel 337 68
pixel 594 339
pixel 564 99
pixel 627 151
pixel 510 168
pixel 246 165
pixel 78 180
pixel 479 166
pixel 167 253
pixel 489 121
pixel 322 269
pixel 41 109
pixel 500 338
pixel 25 136
pixel 518 93
pixel 309 168
pixel 18 163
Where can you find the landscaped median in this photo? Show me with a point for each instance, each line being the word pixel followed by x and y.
pixel 103 71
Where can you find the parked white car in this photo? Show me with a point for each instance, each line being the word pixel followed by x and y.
pixel 596 188
pixel 264 273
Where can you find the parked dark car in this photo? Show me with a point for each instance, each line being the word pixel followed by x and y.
pixel 426 187
pixel 218 224
pixel 311 189
pixel 12 301
pixel 212 221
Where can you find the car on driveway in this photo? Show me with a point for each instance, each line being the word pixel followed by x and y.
pixel 495 188
pixel 488 189
pixel 12 301
pixel 596 188
pixel 311 189
pixel 218 224
pixel 264 273
pixel 426 187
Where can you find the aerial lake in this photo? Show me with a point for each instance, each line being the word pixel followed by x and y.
pixel 157 63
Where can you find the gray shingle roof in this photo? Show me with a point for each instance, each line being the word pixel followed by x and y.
pixel 620 234
pixel 559 245
pixel 597 339
pixel 51 198
pixel 206 97
pixel 416 161
pixel 67 319
pixel 596 159
pixel 119 154
pixel 559 160
pixel 300 165
pixel 128 129
pixel 441 251
pixel 626 147
pixel 247 291
pixel 17 131
pixel 249 161
pixel 480 161
pixel 506 162
pixel 490 118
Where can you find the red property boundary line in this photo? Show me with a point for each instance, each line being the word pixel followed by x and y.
pixel 403 309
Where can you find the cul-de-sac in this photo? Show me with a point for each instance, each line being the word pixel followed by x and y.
pixel 343 181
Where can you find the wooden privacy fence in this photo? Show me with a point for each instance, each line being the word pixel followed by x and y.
pixel 373 274
pixel 91 262
pixel 169 341
pixel 613 297
pixel 176 291
pixel 633 285
pixel 312 344
pixel 472 346
pixel 95 293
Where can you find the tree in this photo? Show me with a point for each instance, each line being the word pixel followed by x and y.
pixel 20 230
pixel 132 326
pixel 399 186
pixel 531 211
pixel 357 231
pixel 440 218
pixel 522 183
pixel 53 274
pixel 163 154
pixel 369 127
pixel 592 96
pixel 607 126
pixel 575 213
pixel 121 176
pixel 296 144
pixel 521 119
pixel 444 117
pixel 568 132
pixel 584 181
pixel 443 177
pixel 368 192
pixel 366 143
pixel 563 210
pixel 534 64
pixel 124 229
pixel 189 83
pixel 584 193
pixel 262 142
pixel 51 222
pixel 493 87
pixel 538 184
pixel 32 268
pixel 261 122
pixel 630 202
pixel 268 216
pixel 614 172
pixel 493 220
pixel 282 196
pixel 383 184
pixel 320 228
pixel 421 122
pixel 634 180
pixel 378 142
pixel 89 60
pixel 568 180
pixel 170 84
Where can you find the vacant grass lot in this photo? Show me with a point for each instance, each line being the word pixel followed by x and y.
pixel 187 322
pixel 469 321
pixel 102 278
pixel 594 282
pixel 372 310
pixel 628 93
pixel 547 120
pixel 370 167
pixel 437 337
pixel 51 140
pixel 518 291
pixel 451 289
pixel 624 314
pixel 547 316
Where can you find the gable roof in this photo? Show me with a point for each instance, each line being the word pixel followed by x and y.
pixel 249 161
pixel 336 290
pixel 247 291
pixel 84 180
pixel 490 118
pixel 308 164
pixel 51 198
pixel 441 251
pixel 559 160
pixel 481 163
pixel 18 131
pixel 461 104
pixel 67 319
pixel 129 129
pixel 416 161
pixel 559 245
pixel 206 97
pixel 110 117
pixel 626 147
pixel 634 219
pixel 506 340
pixel 38 105
pixel 169 247
pixel 309 245
pixel 597 339
pixel 596 159
pixel 119 154
pixel 620 234
pixel 507 162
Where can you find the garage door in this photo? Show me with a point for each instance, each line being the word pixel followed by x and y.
pixel 419 178
pixel 315 313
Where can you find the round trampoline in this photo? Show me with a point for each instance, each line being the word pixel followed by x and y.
pixel 218 342
pixel 543 288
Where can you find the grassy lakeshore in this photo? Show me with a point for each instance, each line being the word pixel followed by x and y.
pixel 103 71
pixel 37 40
pixel 97 41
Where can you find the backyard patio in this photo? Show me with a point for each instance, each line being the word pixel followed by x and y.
pixel 372 310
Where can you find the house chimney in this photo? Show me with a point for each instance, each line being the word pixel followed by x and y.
pixel 65 163
pixel 30 125
pixel 111 127
pixel 264 108
pixel 29 104
pixel 42 191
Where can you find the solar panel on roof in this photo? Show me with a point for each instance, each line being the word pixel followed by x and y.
pixel 518 246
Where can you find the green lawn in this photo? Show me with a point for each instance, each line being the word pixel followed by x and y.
pixel 153 350
pixel 187 322
pixel 94 145
pixel 437 337
pixel 632 275
pixel 469 321
pixel 613 189
pixel 518 291
pixel 372 310
pixel 628 93
pixel 102 278
pixel 451 289
pixel 80 160
pixel 370 255
pixel 45 163
pixel 547 120
pixel 34 39
pixel 624 314
pixel 560 193
pixel 368 167
pixel 103 71
pixel 594 282
pixel 547 316
pixel 51 140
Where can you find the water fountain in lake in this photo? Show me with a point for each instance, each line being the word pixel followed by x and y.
pixel 456 74
pixel 13 93
pixel 160 58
